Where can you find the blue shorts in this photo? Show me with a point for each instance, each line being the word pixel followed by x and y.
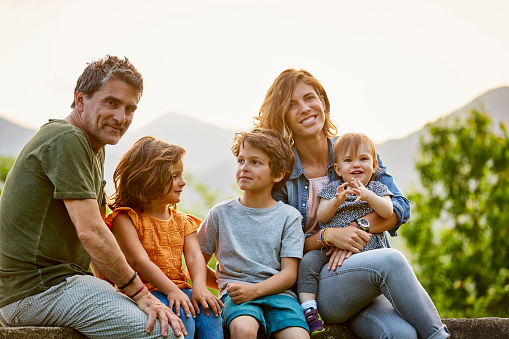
pixel 273 312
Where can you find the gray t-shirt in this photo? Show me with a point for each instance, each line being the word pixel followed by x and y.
pixel 250 242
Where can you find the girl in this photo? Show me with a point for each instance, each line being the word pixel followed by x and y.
pixel 377 292
pixel 342 203
pixel 153 234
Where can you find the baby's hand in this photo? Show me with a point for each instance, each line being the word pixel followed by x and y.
pixel 203 297
pixel 342 193
pixel 360 190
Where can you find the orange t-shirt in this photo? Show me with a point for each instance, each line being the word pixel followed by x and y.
pixel 163 240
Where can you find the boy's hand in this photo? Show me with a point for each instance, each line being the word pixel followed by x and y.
pixel 203 297
pixel 178 299
pixel 241 293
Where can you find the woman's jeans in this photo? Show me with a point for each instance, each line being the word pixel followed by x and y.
pixel 379 295
pixel 205 327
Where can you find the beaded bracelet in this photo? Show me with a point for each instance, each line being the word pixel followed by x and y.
pixel 135 294
pixel 130 281
pixel 323 238
pixel 320 239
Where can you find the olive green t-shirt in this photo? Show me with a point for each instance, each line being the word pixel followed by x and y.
pixel 39 246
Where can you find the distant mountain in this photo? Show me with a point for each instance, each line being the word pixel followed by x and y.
pixel 13 137
pixel 209 158
pixel 399 155
pixel 208 149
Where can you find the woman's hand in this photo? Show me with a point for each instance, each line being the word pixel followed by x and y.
pixel 203 297
pixel 178 299
pixel 337 257
pixel 348 238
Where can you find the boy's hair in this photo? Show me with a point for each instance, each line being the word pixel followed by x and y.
pixel 109 67
pixel 274 145
pixel 143 173
pixel 352 142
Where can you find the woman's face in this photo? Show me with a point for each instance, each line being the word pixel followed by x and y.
pixel 305 115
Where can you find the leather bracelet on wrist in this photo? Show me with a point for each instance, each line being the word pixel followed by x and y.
pixel 130 281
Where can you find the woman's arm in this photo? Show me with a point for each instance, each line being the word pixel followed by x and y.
pixel 400 204
pixel 286 278
pixel 195 263
pixel 347 238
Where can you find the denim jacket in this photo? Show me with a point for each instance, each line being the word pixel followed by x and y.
pixel 295 192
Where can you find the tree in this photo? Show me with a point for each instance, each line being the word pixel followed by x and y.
pixel 459 230
pixel 6 163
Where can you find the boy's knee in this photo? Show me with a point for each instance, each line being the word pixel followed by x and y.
pixel 243 328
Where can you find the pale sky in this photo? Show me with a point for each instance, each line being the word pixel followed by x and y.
pixel 388 66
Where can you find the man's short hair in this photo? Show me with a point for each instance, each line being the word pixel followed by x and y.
pixel 109 67
pixel 274 145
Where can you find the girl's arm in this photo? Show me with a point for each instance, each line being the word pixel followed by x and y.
pixel 381 205
pixel 197 267
pixel 127 238
pixel 211 274
pixel 286 278
pixel 327 208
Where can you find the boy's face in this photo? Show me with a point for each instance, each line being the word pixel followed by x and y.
pixel 253 172
pixel 359 166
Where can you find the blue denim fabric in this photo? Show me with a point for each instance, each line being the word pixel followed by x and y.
pixel 296 190
pixel 379 295
pixel 205 327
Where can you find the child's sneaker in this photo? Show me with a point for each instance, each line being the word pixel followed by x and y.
pixel 313 319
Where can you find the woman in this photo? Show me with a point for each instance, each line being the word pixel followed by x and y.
pixel 375 291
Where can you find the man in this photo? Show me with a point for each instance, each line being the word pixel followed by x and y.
pixel 51 221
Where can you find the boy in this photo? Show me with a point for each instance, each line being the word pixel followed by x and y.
pixel 258 242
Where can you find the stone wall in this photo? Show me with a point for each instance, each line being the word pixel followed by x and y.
pixel 477 328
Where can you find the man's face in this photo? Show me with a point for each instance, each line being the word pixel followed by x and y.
pixel 108 113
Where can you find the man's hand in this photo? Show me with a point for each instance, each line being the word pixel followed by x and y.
pixel 157 310
pixel 241 293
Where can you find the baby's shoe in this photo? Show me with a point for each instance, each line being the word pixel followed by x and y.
pixel 313 319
